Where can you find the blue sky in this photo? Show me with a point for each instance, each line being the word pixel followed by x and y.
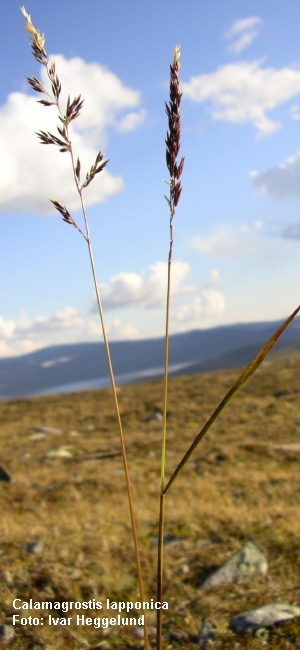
pixel 237 226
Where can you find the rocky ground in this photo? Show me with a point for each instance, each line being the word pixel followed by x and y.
pixel 65 531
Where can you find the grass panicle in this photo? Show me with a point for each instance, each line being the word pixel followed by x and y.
pixel 64 143
pixel 175 170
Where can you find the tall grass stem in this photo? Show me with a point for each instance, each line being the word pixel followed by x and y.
pixel 175 171
pixel 73 109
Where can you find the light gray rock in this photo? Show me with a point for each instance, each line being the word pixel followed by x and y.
pixel 263 617
pixel 35 548
pixel 156 417
pixel 248 562
pixel 35 437
pixel 207 634
pixel 7 633
pixel 51 430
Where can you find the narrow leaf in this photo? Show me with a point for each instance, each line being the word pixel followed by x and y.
pixel 242 379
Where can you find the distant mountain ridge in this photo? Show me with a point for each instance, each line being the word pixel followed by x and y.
pixel 79 366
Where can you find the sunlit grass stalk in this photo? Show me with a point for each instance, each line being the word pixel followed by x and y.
pixel 172 149
pixel 64 143
pixel 236 387
pixel 175 171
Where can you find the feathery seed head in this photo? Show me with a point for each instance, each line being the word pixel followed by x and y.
pixel 173 135
pixel 37 40
pixel 176 54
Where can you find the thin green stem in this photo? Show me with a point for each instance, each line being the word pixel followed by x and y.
pixel 159 596
pixel 117 410
pixel 166 364
pixel 160 550
pixel 115 398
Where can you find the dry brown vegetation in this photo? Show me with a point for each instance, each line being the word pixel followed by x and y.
pixel 240 484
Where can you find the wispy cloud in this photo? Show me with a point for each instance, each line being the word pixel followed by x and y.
pixel 229 244
pixel 117 330
pixel 243 92
pixel 210 304
pixel 27 334
pixel 242 33
pixel 130 289
pixel 280 180
pixel 215 278
pixel 29 176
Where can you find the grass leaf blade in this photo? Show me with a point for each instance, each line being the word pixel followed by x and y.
pixel 239 383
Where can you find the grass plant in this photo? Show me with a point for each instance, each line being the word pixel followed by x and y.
pixel 175 171
pixel 177 453
pixel 64 143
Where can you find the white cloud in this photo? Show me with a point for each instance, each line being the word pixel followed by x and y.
pixel 67 318
pixel 123 331
pixel 227 243
pixel 31 174
pixel 215 278
pixel 210 304
pixel 280 180
pixel 131 121
pixel 244 31
pixel 243 92
pixel 129 289
pixel 116 330
pixel 27 334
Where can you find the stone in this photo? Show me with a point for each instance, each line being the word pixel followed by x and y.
pixel 35 548
pixel 7 633
pixel 207 634
pixel 248 562
pixel 263 617
pixel 89 428
pixel 61 452
pixel 156 417
pixel 4 476
pixel 51 430
pixel 180 636
pixel 35 437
